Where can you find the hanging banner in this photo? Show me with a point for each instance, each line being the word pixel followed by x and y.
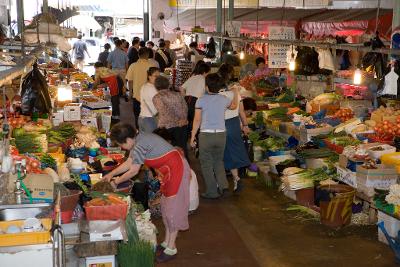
pixel 277 54
pixel 233 28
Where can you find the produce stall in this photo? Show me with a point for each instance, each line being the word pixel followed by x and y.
pixel 54 207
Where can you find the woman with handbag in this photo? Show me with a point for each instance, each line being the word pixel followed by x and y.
pixel 147 117
pixel 172 113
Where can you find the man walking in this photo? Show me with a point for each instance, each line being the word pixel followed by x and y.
pixel 78 50
pixel 118 60
pixel 133 52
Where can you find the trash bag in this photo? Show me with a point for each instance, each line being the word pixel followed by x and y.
pixel 375 62
pixel 307 61
pixel 34 93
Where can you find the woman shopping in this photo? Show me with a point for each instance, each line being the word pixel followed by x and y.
pixel 147 118
pixel 235 155
pixel 173 172
pixel 173 111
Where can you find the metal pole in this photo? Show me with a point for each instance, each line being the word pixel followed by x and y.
pixel 396 15
pixel 146 30
pixel 219 16
pixel 20 21
pixel 45 6
pixel 231 10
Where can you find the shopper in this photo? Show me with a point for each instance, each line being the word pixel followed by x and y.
pixel 163 58
pixel 171 52
pixel 211 48
pixel 209 117
pixel 133 52
pixel 174 174
pixel 235 155
pixel 104 55
pixel 151 58
pixel 147 118
pixel 193 51
pixel 114 82
pixel 172 113
pixel 137 76
pixel 78 51
pixel 125 45
pixel 194 88
pixel 262 68
pixel 118 60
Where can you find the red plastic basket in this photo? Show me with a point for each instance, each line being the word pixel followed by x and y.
pixel 108 213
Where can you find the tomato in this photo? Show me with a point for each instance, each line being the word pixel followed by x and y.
pixel 34 164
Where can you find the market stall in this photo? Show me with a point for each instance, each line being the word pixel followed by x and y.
pixel 55 209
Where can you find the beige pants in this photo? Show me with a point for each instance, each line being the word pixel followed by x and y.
pixel 79 64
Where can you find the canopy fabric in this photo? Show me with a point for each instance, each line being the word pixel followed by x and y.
pixel 82 21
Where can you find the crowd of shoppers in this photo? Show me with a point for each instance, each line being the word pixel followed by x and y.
pixel 207 113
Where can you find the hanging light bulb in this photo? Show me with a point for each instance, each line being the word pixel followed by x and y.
pixel 241 55
pixel 292 62
pixel 178 41
pixel 357 76
pixel 64 93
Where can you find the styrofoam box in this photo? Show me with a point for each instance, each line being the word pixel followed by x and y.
pixel 392 226
pixel 57 118
pixel 90 122
pixel 346 176
pixel 104 261
pixel 290 194
pixel 378 154
pixel 105 231
pixel 72 112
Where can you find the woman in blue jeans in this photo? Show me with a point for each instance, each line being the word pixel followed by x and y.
pixel 210 118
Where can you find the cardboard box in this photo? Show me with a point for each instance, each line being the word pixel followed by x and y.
pixel 41 187
pixel 90 122
pixel 72 112
pixel 382 178
pixel 105 230
pixel 57 118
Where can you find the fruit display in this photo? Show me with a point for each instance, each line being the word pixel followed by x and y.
pixel 344 114
pixel 387 130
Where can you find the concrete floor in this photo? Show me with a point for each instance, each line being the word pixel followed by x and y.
pixel 254 229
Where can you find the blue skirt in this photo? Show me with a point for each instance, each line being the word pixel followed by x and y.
pixel 235 155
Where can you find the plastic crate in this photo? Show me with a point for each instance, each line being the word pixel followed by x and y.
pixel 24 238
pixel 392 226
pixel 107 213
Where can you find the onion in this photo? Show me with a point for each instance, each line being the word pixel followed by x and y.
pixel 34 164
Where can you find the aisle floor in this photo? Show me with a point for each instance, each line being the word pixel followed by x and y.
pixel 255 229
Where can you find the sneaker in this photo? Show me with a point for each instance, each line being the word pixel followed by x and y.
pixel 164 257
pixel 239 186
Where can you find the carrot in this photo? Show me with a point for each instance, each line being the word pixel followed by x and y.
pixel 115 199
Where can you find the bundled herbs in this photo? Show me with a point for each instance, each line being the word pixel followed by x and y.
pixel 47 161
pixel 259 119
pixel 136 252
pixel 28 143
pixel 316 153
pixel 276 112
pixel 61 133
pixel 271 144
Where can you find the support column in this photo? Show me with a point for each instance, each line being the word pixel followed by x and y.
pixel 219 16
pixel 20 23
pixel 396 15
pixel 146 20
pixel 45 6
pixel 231 10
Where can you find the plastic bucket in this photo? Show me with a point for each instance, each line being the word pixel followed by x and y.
pixel 305 196
pixel 68 203
pixel 66 216
pixel 337 211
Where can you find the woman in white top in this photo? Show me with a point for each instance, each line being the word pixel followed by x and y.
pixel 147 118
pixel 194 88
pixel 235 155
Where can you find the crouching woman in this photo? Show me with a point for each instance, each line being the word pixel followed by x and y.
pixel 173 172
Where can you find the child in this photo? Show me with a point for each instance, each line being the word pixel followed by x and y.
pixel 210 118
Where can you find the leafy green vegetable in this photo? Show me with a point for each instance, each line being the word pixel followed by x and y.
pixel 271 144
pixel 259 118
pixel 28 143
pixel 47 161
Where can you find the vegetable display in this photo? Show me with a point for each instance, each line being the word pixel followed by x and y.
pixel 387 130
pixel 61 134
pixel 28 143
pixel 344 114
pixel 300 179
